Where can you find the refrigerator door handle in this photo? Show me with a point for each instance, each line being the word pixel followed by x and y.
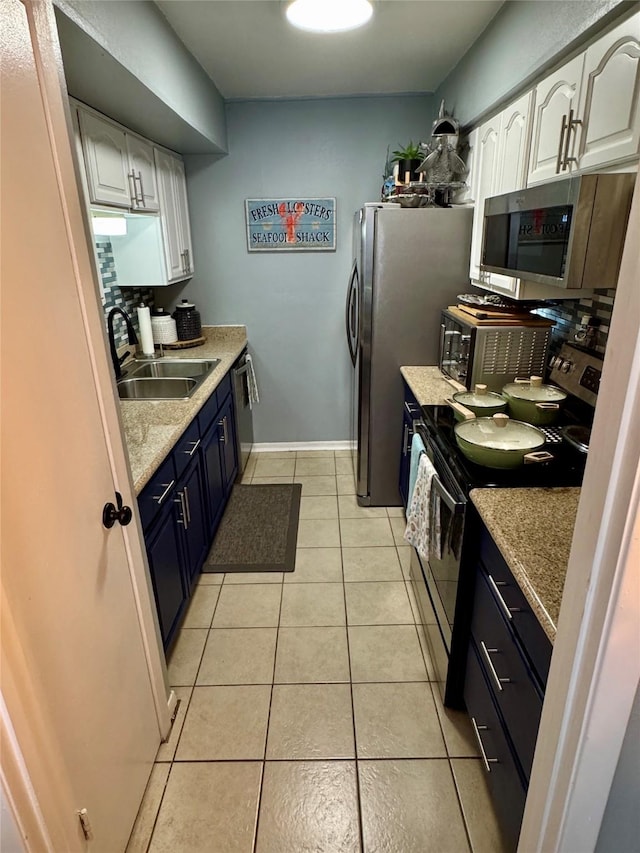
pixel 351 314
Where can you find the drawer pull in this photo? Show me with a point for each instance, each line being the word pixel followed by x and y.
pixel 168 488
pixel 508 611
pixel 486 652
pixel 411 409
pixel 196 444
pixel 476 730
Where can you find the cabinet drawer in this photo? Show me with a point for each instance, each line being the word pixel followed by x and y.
pixel 507 672
pixel 207 413
pixel 507 786
pixel 524 621
pixel 157 492
pixel 186 447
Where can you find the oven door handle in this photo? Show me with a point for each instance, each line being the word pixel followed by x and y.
pixel 454 505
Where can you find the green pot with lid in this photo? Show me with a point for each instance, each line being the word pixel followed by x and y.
pixel 499 442
pixel 479 403
pixel 531 401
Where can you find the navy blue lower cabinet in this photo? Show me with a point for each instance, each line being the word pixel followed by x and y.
pixel 190 503
pixel 227 437
pixel 410 413
pixel 213 486
pixel 503 775
pixel 164 552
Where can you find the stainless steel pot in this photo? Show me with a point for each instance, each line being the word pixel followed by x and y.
pixel 500 442
pixel 480 402
pixel 534 403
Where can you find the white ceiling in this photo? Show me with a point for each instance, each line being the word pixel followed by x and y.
pixel 250 50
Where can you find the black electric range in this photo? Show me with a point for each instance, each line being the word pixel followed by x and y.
pixel 443 584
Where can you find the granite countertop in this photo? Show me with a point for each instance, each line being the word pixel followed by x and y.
pixel 151 428
pixel 533 529
pixel 428 384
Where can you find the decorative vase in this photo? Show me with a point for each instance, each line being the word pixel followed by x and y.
pixel 408 171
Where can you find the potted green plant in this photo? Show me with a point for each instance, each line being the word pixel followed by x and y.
pixel 408 160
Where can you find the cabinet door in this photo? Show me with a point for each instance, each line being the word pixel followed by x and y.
pixel 190 492
pixel 609 100
pixel 165 564
pixel 486 168
pixel 143 174
pixel 513 148
pixel 555 96
pixel 183 214
pixel 174 251
pixel 213 487
pixel 105 154
pixel 227 433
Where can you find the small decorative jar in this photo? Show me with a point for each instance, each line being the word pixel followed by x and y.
pixel 187 321
pixel 163 327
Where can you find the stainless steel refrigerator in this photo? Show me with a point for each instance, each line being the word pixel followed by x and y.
pixel 408 264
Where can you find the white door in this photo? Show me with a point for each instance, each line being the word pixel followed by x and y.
pixel 610 99
pixel 514 140
pixel 75 673
pixel 486 166
pixel 143 169
pixel 555 96
pixel 105 154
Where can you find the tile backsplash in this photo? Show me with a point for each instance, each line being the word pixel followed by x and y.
pixel 128 299
pixel 568 315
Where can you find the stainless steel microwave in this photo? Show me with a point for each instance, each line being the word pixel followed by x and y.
pixel 567 233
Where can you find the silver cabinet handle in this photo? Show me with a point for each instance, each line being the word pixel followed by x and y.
pixel 187 504
pixel 184 263
pixel 508 611
pixel 476 730
pixel 142 201
pixel 563 131
pixel 223 424
pixel 410 409
pixel 132 188
pixel 183 510
pixel 486 652
pixel 196 445
pixel 168 488
pixel 187 255
pixel 572 124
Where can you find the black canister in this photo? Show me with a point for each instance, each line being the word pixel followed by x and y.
pixel 187 321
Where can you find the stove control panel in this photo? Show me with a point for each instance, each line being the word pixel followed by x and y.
pixel 578 372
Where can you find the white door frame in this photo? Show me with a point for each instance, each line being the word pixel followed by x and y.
pixel 595 668
pixel 59 138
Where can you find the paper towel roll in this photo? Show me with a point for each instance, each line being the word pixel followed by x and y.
pixel 146 333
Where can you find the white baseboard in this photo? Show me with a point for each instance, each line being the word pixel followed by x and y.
pixel 273 447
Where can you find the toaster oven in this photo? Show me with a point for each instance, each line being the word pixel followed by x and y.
pixel 491 354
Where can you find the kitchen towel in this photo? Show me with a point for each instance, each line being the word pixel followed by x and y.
pixel 423 518
pixel 417 449
pixel 146 332
pixel 252 383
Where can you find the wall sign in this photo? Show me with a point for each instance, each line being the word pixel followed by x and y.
pixel 291 224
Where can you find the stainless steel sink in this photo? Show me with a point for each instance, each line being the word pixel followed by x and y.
pixel 166 379
pixel 151 388
pixel 182 368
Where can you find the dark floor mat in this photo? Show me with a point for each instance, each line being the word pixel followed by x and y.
pixel 258 531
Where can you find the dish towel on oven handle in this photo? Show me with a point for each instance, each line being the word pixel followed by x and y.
pixel 417 449
pixel 252 383
pixel 423 517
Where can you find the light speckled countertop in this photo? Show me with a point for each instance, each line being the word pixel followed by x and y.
pixel 533 529
pixel 151 428
pixel 428 384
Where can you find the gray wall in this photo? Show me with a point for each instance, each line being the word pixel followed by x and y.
pixel 124 59
pixel 293 302
pixel 620 830
pixel 523 38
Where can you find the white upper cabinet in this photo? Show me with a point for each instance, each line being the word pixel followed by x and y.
pixel 142 174
pixel 105 154
pixel 174 211
pixel 587 115
pixel 120 166
pixel 610 98
pixel 553 137
pixel 500 167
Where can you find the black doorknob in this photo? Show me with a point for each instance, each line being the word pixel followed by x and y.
pixel 111 514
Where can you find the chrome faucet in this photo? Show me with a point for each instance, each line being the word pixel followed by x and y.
pixel 133 339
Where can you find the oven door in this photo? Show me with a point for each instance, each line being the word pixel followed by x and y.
pixel 442 569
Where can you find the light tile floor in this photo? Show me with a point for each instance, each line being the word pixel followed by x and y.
pixel 308 717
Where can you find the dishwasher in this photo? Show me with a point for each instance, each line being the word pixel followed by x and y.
pixel 244 418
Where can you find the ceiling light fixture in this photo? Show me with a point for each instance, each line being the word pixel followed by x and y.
pixel 329 16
